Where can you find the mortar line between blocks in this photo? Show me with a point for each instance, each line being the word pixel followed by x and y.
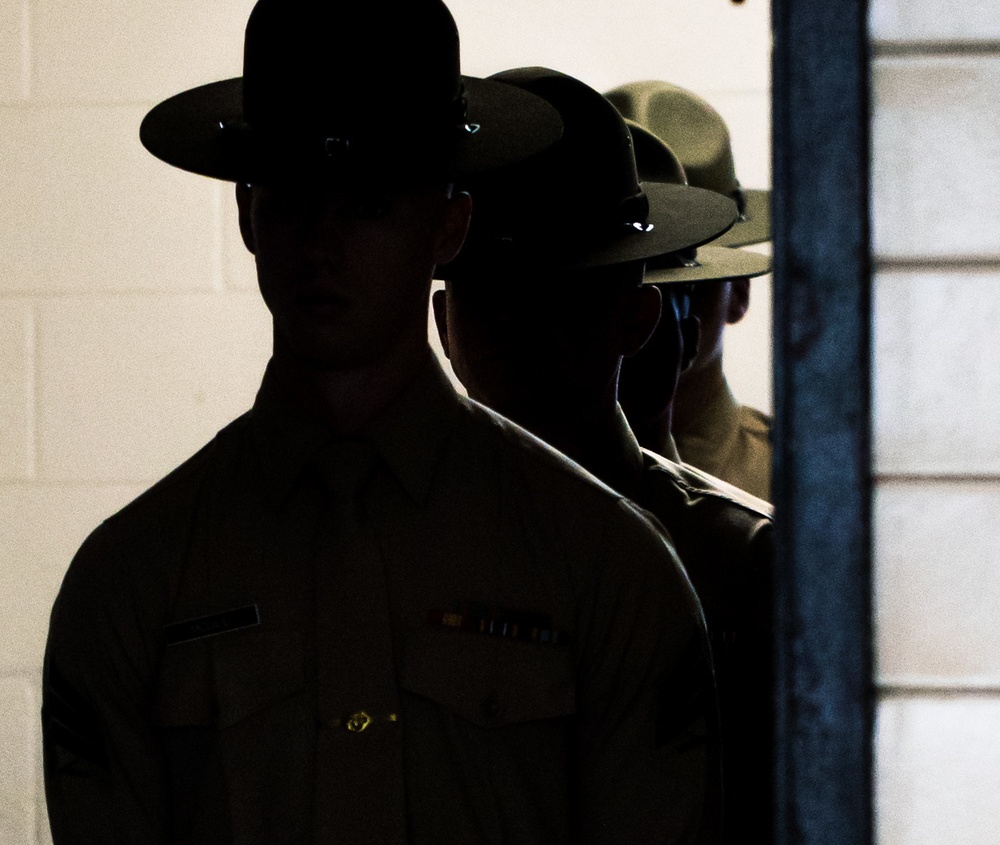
pixel 32 377
pixel 26 49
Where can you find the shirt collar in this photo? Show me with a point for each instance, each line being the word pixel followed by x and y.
pixel 669 450
pixel 409 434
pixel 627 453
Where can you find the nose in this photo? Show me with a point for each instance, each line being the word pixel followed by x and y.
pixel 329 231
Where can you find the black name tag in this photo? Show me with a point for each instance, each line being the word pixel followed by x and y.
pixel 210 626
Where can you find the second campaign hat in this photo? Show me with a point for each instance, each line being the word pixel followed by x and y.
pixel 580 203
pixel 655 161
pixel 698 135
pixel 335 88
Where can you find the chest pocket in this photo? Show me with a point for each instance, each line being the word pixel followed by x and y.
pixel 221 681
pixel 236 729
pixel 488 738
pixel 487 681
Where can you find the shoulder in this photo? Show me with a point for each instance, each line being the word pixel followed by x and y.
pixel 566 505
pixel 537 464
pixel 724 535
pixel 137 548
pixel 692 503
pixel 171 498
pixel 699 482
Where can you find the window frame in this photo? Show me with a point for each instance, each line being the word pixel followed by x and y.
pixel 822 383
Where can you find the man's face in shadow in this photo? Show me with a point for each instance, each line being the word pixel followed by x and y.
pixel 716 304
pixel 649 378
pixel 346 272
pixel 543 344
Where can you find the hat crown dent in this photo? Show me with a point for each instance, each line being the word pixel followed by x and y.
pixel 654 160
pixel 699 137
pixel 689 125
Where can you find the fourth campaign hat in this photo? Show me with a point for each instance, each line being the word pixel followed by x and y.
pixel 580 204
pixel 698 135
pixel 369 88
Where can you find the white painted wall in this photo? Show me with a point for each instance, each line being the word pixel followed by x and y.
pixel 130 329
pixel 936 172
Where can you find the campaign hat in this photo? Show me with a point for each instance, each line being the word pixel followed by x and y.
pixel 655 161
pixel 348 88
pixel 580 204
pixel 699 136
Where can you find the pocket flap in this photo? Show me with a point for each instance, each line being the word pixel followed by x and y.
pixel 224 680
pixel 489 682
pixel 255 670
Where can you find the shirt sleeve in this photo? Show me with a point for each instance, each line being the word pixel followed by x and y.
pixel 749 738
pixel 648 714
pixel 104 774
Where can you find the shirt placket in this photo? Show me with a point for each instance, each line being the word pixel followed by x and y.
pixel 359 776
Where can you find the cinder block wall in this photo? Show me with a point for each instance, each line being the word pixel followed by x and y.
pixel 936 169
pixel 130 328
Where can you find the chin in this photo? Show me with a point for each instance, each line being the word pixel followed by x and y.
pixel 322 350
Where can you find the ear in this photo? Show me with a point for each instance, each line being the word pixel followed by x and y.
pixel 690 335
pixel 439 302
pixel 244 200
pixel 739 300
pixel 454 227
pixel 640 318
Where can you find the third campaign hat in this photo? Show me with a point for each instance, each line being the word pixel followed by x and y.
pixel 698 135
pixel 710 262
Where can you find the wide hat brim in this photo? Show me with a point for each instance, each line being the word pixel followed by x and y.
pixel 754 225
pixel 680 217
pixel 710 263
pixel 202 130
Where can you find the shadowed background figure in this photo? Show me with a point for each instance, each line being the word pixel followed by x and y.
pixel 537 327
pixel 711 429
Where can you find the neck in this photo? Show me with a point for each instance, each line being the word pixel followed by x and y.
pixel 696 391
pixel 346 399
pixel 598 439
pixel 654 432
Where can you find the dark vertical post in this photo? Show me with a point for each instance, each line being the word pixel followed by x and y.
pixel 822 407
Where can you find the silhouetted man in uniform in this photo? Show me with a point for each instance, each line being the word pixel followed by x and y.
pixel 536 328
pixel 711 429
pixel 369 611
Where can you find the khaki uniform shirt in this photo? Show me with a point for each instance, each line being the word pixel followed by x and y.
pixel 724 537
pixel 548 676
pixel 729 441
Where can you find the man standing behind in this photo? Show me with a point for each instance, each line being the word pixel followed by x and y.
pixel 712 430
pixel 369 611
pixel 536 327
